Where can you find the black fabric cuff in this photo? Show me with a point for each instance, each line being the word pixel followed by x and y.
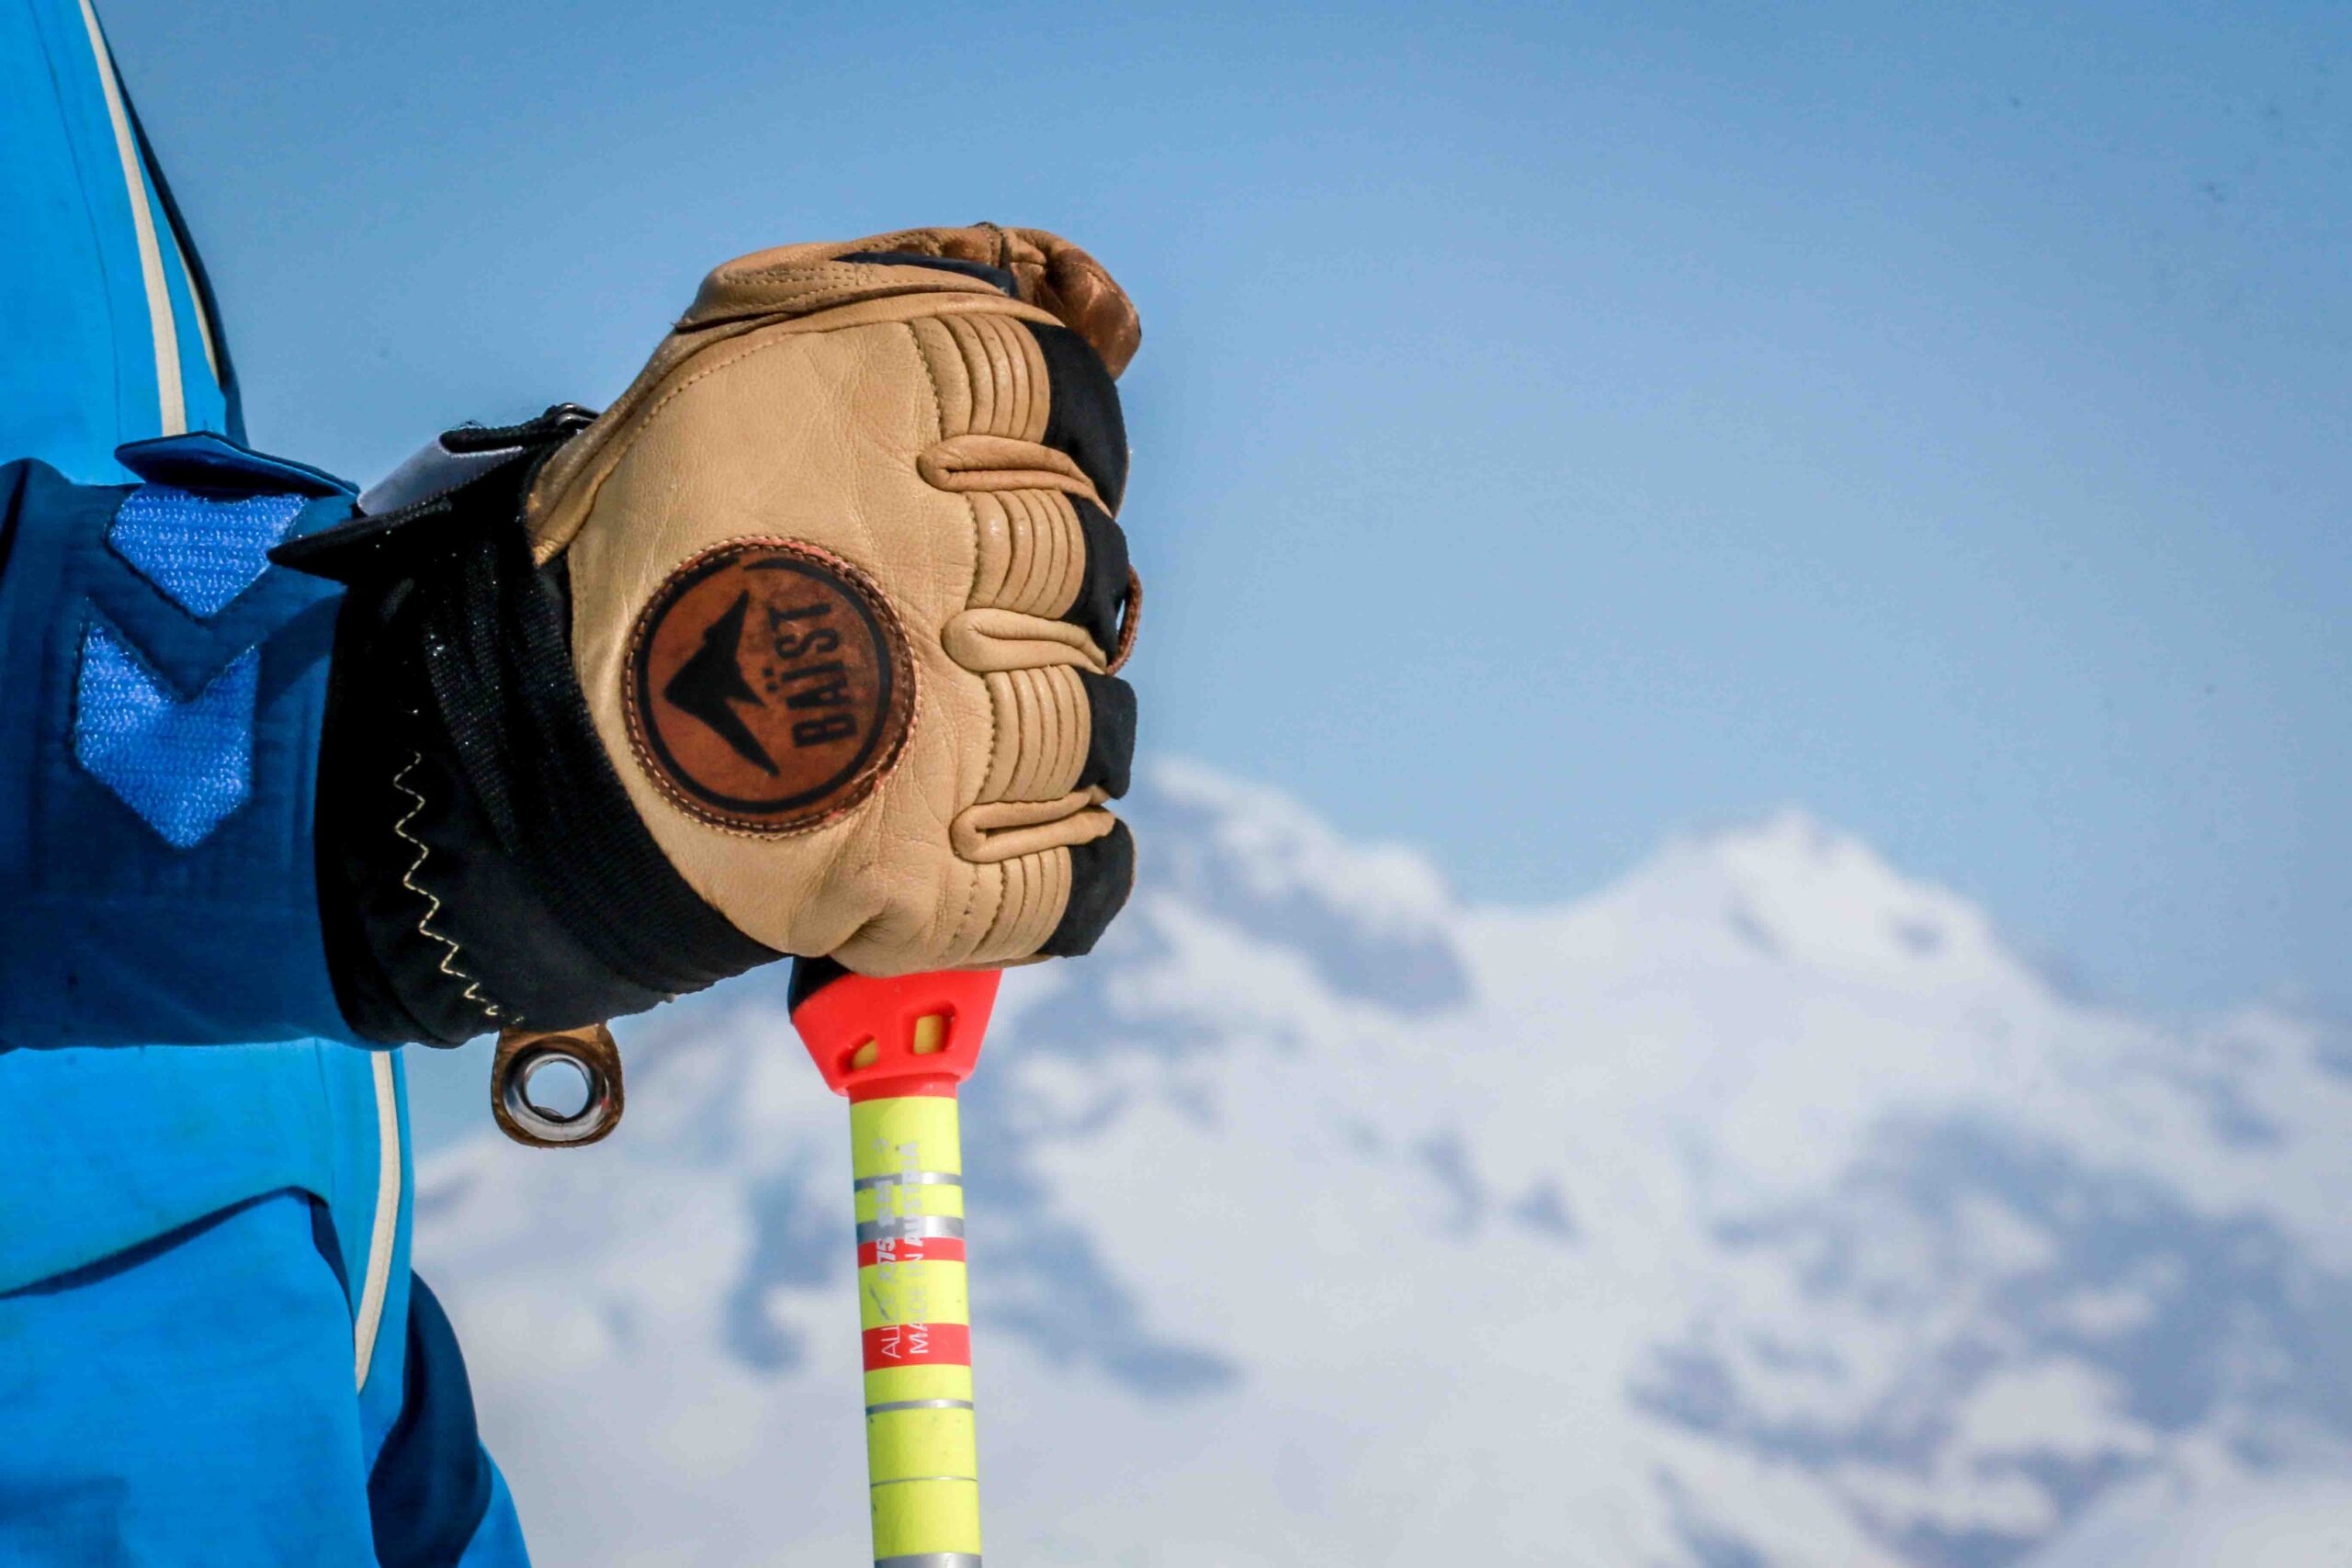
pixel 479 861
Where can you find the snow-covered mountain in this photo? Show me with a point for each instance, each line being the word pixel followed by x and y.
pixel 1762 1209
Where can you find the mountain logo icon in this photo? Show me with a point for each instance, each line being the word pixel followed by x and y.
pixel 709 684
pixel 768 686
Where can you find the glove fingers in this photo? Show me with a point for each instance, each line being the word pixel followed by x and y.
pixel 1060 729
pixel 1101 593
pixel 1049 554
pixel 1047 271
pixel 1083 419
pixel 1111 734
pixel 1101 875
pixel 1026 381
pixel 1046 550
pixel 1049 901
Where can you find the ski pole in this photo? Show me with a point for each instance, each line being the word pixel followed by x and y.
pixel 898 1049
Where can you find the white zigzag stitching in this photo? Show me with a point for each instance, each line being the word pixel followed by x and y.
pixel 408 880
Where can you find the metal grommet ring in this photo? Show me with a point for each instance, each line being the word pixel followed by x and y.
pixel 523 1054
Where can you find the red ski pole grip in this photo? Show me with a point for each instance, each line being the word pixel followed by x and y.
pixel 909 1034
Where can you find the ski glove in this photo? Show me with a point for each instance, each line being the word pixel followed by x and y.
pixel 805 645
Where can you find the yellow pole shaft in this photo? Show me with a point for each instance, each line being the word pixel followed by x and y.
pixel 921 1454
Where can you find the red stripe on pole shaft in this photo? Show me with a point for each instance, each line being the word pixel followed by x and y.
pixel 913 1249
pixel 918 1344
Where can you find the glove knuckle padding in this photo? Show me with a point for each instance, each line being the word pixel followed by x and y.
pixel 838 620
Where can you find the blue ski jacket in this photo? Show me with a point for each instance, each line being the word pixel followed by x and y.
pixel 217 1350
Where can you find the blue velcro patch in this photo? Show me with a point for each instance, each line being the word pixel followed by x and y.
pixel 182 764
pixel 201 550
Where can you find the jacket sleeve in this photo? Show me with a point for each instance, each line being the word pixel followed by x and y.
pixel 162 687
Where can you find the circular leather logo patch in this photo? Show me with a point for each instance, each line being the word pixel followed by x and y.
pixel 769 685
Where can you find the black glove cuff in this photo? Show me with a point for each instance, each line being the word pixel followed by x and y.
pixel 479 862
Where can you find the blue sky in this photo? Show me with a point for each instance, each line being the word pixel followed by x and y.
pixel 1556 426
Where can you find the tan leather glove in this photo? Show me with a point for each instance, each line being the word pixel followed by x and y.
pixel 836 596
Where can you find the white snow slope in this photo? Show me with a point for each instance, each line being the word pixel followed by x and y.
pixel 1762 1209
